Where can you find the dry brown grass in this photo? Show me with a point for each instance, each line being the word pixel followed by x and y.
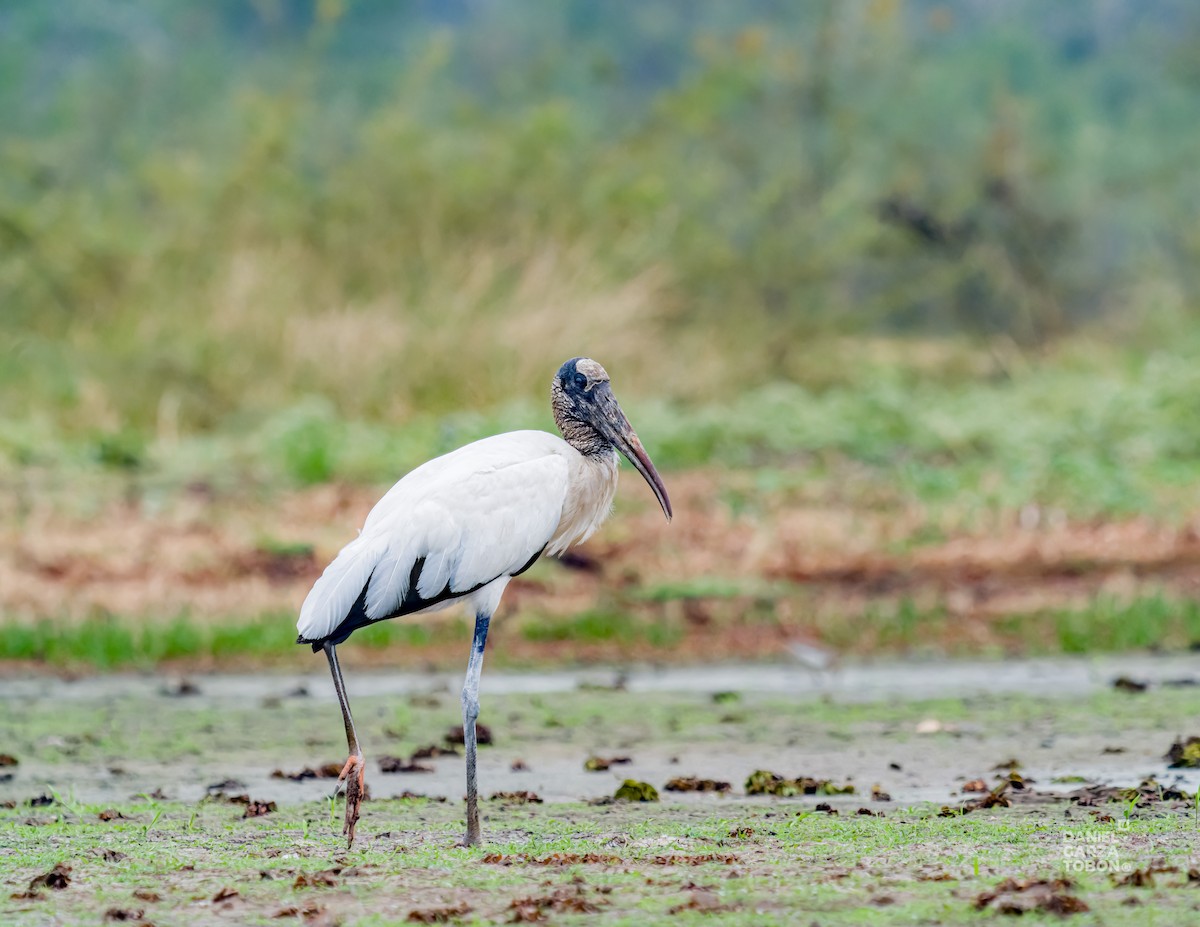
pixel 809 563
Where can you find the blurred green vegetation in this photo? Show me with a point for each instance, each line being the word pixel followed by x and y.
pixel 295 239
pixel 1096 432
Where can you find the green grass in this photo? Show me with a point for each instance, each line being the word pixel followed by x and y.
pixel 641 631
pixel 839 870
pixel 775 861
pixel 111 642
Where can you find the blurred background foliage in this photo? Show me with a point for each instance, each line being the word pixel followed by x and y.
pixel 795 225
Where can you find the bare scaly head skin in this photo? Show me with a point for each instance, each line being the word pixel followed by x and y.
pixel 590 419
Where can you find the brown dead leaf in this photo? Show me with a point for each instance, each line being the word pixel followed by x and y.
pixel 325 771
pixel 563 900
pixel 225 894
pixel 483 735
pixel 440 915
pixel 1147 794
pixel 433 752
pixel 326 878
pixel 111 814
pixel 145 894
pixel 517 798
pixel 554 859
pixel 309 912
pixel 256 809
pixel 1138 878
pixel 57 878
pixel 398 764
pixel 1014 896
pixel 692 784
pixel 408 795
pixel 124 914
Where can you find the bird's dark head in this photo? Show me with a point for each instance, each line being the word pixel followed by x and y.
pixel 591 420
pixel 579 376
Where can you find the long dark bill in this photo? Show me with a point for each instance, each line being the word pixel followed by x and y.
pixel 629 445
pixel 625 440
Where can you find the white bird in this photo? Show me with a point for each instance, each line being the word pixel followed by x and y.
pixel 459 527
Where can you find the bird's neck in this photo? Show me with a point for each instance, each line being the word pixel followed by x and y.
pixel 580 435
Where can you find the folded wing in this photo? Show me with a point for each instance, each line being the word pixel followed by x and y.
pixel 446 529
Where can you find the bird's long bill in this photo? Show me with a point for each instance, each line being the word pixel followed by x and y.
pixel 629 445
pixel 625 439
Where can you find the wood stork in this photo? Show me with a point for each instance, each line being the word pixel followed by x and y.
pixel 459 527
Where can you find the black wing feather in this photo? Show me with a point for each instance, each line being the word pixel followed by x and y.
pixel 413 602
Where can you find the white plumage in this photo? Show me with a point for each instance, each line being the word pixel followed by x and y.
pixel 476 516
pixel 459 527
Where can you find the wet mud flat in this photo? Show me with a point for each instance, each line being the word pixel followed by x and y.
pixel 108 737
pixel 916 789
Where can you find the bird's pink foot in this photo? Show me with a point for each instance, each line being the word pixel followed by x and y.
pixel 354 774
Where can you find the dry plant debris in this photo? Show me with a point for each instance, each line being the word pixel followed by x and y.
pixel 483 735
pixel 1147 793
pixel 601 764
pixel 517 798
pixel 439 915
pixel 398 764
pixel 256 808
pixel 554 859
pixel 563 900
pixel 432 752
pixel 1013 896
pixel 692 784
pixel 1184 754
pixel 326 878
pixel 325 771
pixel 762 782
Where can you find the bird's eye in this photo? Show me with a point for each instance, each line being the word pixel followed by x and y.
pixel 580 381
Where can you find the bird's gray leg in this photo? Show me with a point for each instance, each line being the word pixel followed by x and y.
pixel 470 703
pixel 354 772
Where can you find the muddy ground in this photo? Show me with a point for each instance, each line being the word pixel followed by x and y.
pixel 945 723
pixel 178 779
